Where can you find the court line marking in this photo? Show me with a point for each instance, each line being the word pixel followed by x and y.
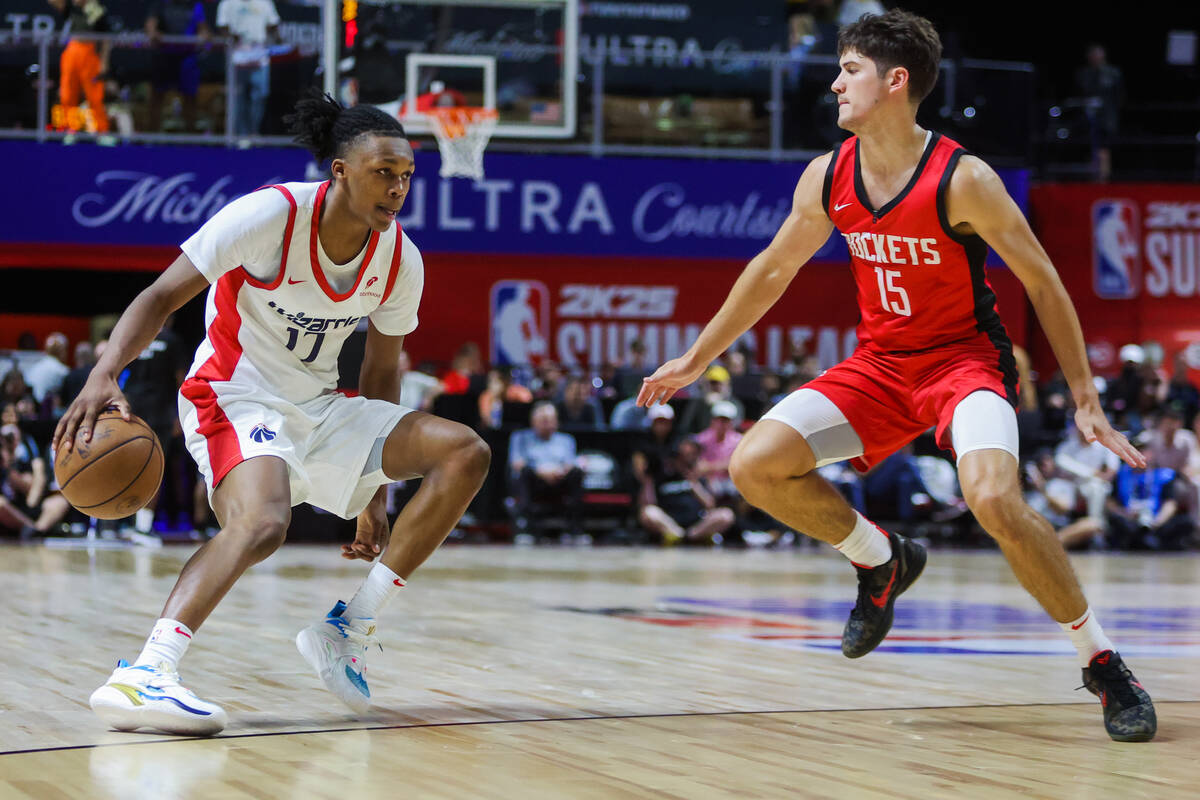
pixel 762 712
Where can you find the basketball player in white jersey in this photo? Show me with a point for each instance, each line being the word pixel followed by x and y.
pixel 290 271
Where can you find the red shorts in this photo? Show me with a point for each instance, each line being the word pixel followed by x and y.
pixel 892 398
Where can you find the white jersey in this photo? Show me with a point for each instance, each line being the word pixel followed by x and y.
pixel 279 310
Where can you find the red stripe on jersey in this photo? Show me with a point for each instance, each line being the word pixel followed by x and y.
pixel 224 452
pixel 372 241
pixel 287 240
pixel 397 256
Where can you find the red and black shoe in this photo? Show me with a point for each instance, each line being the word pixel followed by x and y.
pixel 1128 712
pixel 878 588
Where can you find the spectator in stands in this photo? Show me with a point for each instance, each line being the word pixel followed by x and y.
pixel 1181 391
pixel 13 387
pixel 253 24
pixel 629 375
pixel 627 415
pixel 501 392
pixel 45 376
pixel 578 410
pixel 86 355
pixel 151 384
pixel 1125 390
pixel 545 478
pixel 416 388
pixel 465 365
pixel 550 382
pixel 673 501
pixel 82 67
pixel 745 383
pixel 1102 89
pixel 175 66
pixel 697 412
pixel 27 505
pixel 1149 510
pixel 894 490
pixel 1092 466
pixel 717 443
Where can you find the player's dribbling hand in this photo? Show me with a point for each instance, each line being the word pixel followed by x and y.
pixel 1095 427
pixel 667 380
pixel 100 392
pixel 371 535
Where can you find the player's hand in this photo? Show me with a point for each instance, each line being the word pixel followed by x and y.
pixel 371 535
pixel 669 379
pixel 100 392
pixel 1094 426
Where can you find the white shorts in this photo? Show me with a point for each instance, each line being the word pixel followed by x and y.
pixel 332 445
pixel 983 420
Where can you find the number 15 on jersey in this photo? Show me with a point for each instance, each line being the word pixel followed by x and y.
pixel 892 297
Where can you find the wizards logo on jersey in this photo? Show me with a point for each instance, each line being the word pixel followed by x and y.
pixel 1116 249
pixel 261 433
pixel 520 322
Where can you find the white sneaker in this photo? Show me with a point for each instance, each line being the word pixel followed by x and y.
pixel 335 648
pixel 151 697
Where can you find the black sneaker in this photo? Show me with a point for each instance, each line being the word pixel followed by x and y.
pixel 878 588
pixel 1128 712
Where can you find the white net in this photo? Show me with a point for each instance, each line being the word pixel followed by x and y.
pixel 462 136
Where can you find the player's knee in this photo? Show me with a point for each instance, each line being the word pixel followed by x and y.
pixel 262 530
pixel 751 471
pixel 993 507
pixel 474 456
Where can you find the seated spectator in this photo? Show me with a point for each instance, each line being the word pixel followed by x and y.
pixel 578 410
pixel 45 376
pixel 549 382
pixel 544 476
pixel 1149 510
pixel 627 415
pixel 417 388
pixel 894 490
pixel 13 387
pixel 628 376
pixel 1182 392
pixel 673 501
pixel 1055 495
pixel 1169 444
pixel 697 412
pixel 26 504
pixel 1092 466
pixel 501 393
pixel 86 355
pixel 717 443
pixel 465 365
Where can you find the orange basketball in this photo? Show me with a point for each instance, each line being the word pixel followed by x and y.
pixel 114 474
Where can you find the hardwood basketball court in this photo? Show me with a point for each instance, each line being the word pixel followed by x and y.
pixel 603 673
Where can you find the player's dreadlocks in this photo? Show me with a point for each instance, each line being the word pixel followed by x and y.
pixel 325 127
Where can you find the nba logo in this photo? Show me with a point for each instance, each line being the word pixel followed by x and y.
pixel 1116 253
pixel 520 317
pixel 261 433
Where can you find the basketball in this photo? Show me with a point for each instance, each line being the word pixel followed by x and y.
pixel 114 474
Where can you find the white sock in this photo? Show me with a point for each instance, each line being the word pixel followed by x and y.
pixel 376 592
pixel 143 520
pixel 867 545
pixel 167 643
pixel 1087 636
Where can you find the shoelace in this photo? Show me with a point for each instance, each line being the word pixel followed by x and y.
pixel 353 634
pixel 1117 680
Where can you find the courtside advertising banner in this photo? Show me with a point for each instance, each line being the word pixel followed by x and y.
pixel 1129 255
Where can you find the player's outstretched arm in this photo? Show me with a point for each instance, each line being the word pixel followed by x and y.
pixel 760 285
pixel 137 327
pixel 977 202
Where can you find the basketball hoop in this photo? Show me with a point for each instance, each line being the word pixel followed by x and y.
pixel 462 135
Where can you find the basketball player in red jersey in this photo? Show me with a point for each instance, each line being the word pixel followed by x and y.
pixel 917 213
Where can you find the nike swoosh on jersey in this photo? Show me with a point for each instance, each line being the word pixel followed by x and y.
pixel 840 206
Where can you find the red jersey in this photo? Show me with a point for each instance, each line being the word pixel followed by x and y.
pixel 920 285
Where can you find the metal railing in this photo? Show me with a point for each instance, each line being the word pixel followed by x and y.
pixel 770 87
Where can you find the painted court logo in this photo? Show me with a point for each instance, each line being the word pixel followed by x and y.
pixel 261 433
